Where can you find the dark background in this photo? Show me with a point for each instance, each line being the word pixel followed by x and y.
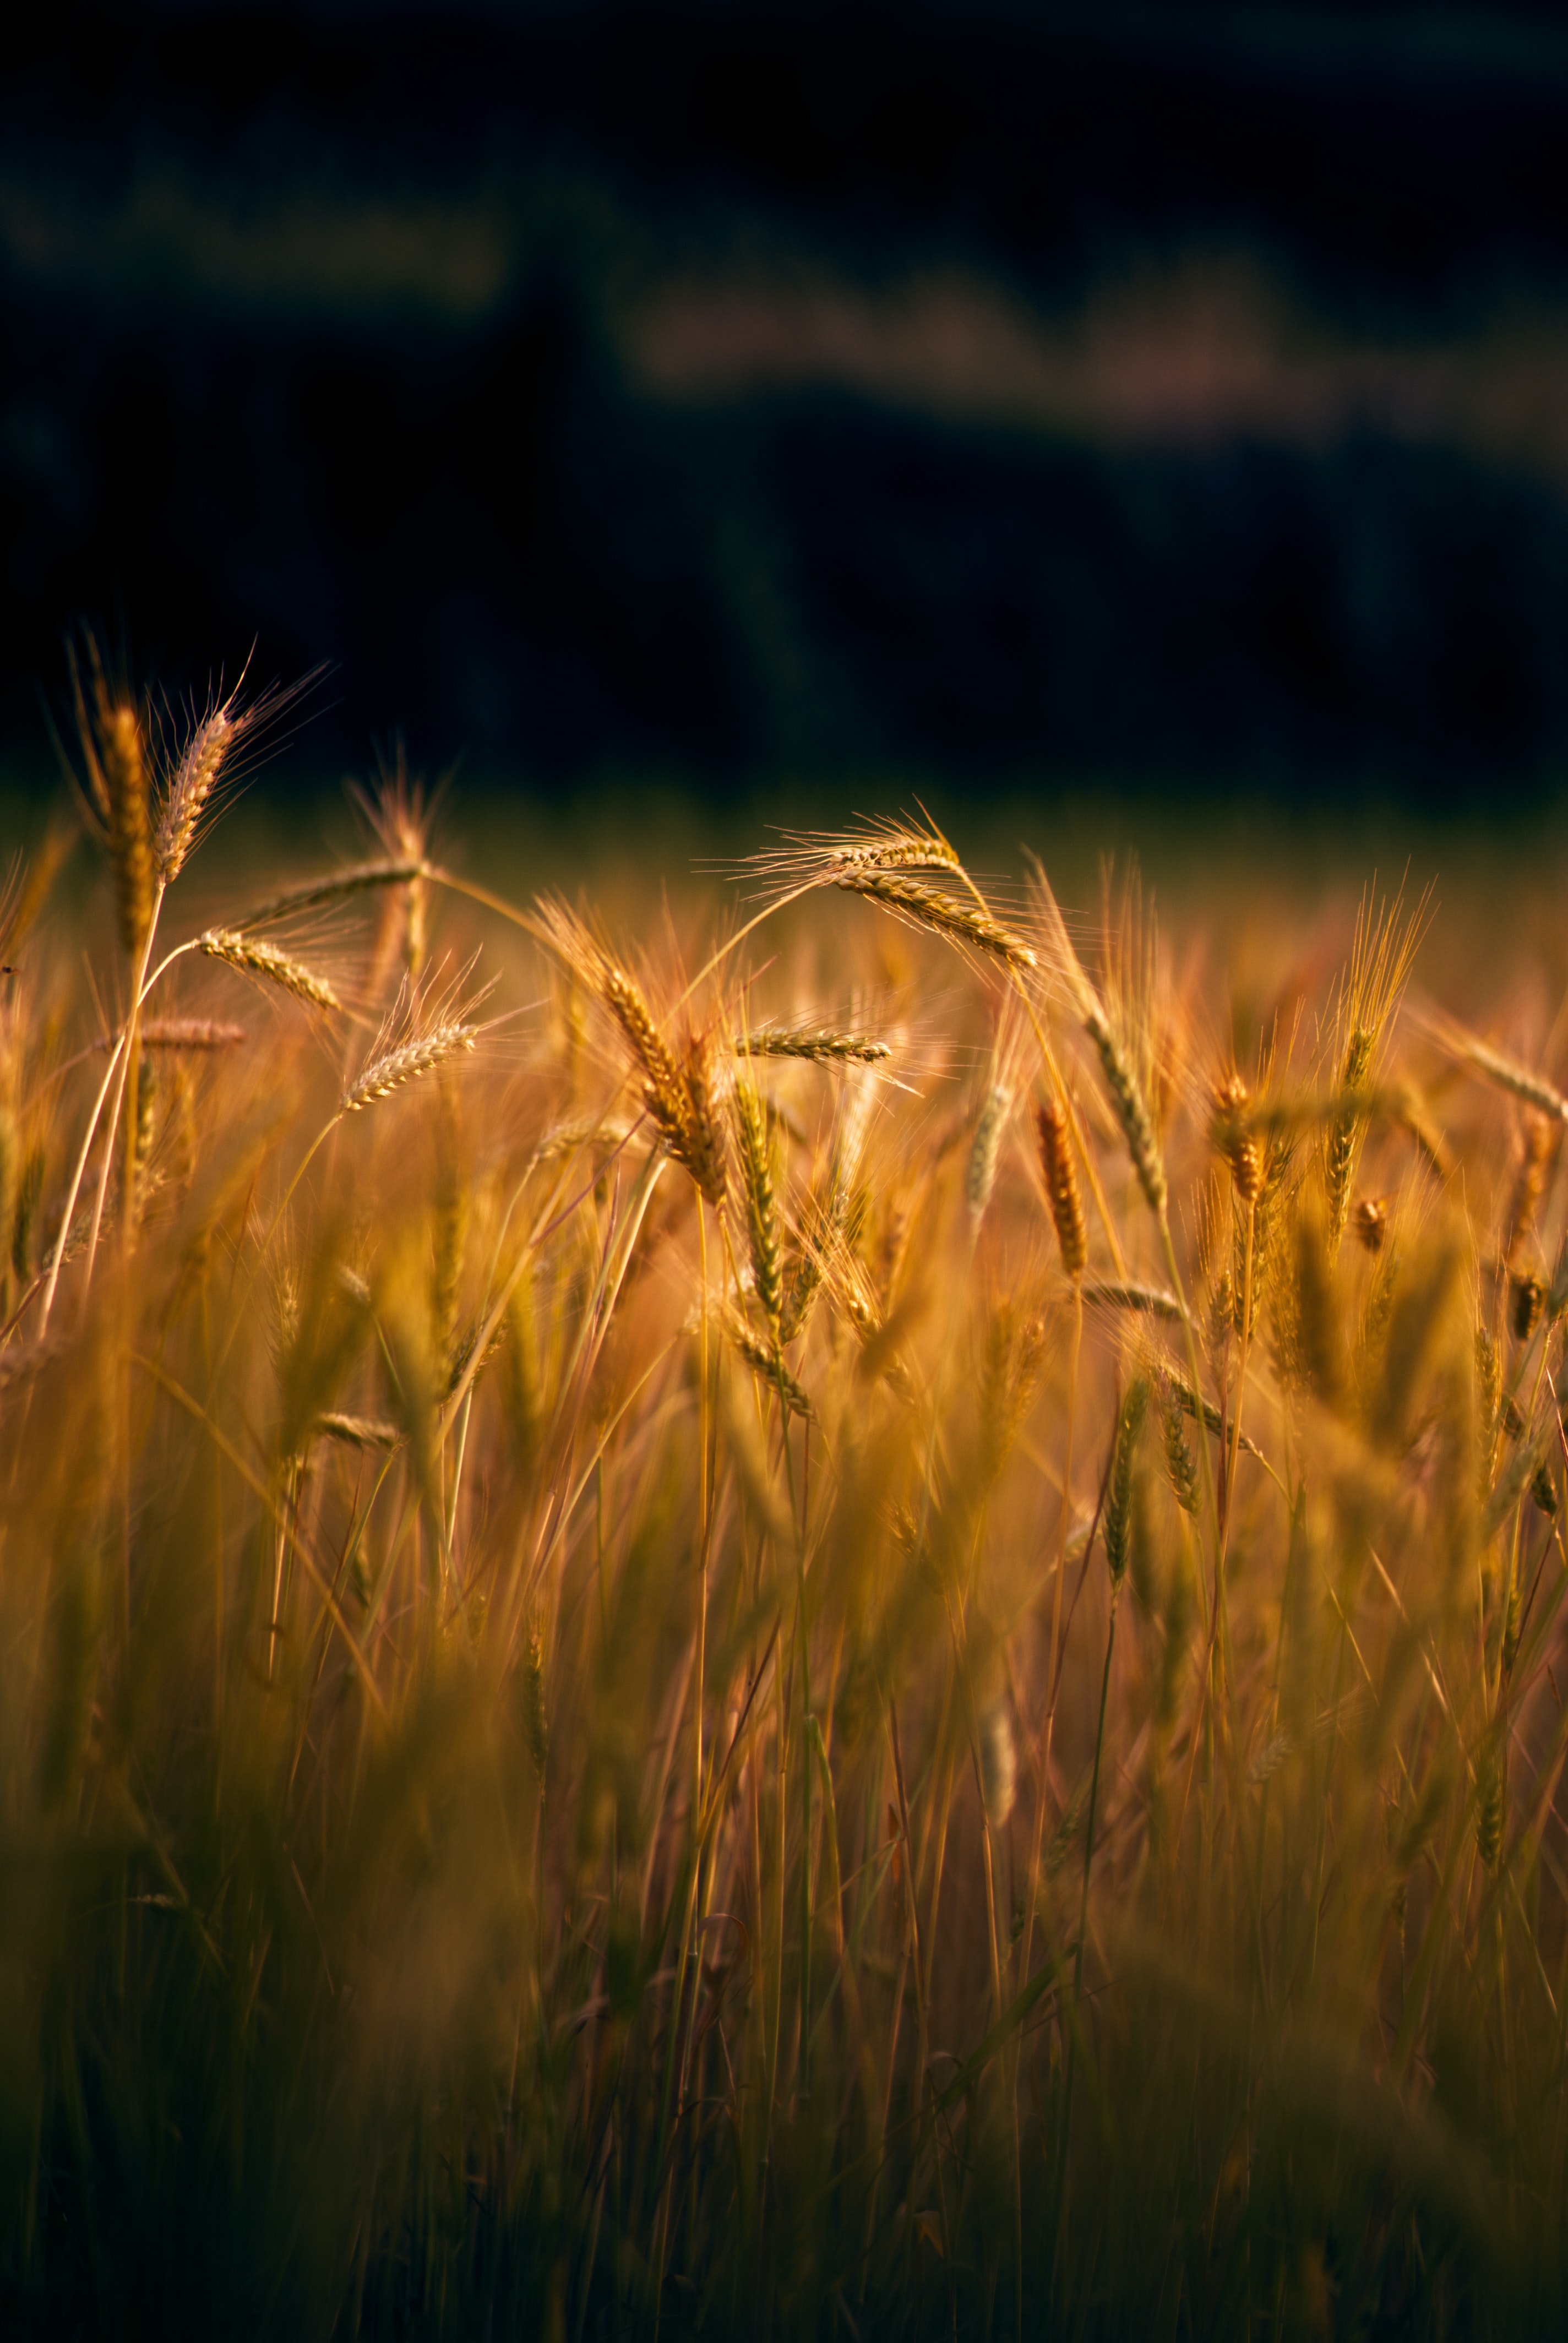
pixel 986 393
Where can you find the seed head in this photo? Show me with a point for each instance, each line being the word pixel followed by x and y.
pixel 1060 1175
pixel 1119 1496
pixel 190 790
pixel 924 906
pixel 1131 1108
pixel 257 958
pixel 1238 1144
pixel 979 1177
pixel 761 1211
pixel 393 1068
pixel 1490 1806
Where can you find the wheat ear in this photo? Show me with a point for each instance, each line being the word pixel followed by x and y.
pixel 256 958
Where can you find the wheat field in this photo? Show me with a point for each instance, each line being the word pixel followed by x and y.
pixel 843 1622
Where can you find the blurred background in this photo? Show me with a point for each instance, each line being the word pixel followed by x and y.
pixel 988 399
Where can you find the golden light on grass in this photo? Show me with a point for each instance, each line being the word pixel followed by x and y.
pixel 658 1687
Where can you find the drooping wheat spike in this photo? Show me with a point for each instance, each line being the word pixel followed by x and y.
pixel 985 1148
pixel 817 858
pixel 1488 1398
pixel 1118 1492
pixel 1490 1804
pixel 357 1431
pixel 1235 1140
pixel 1062 1193
pixel 1179 1459
pixel 1131 1108
pixel 535 1713
pixel 679 1098
pixel 879 1355
pixel 1534 1155
pixel 771 1369
pixel 1508 1074
pixel 762 1208
pixel 190 789
pixel 823 1045
pixel 358 879
pixel 406 1062
pixel 202 1033
pixel 255 957
pixel 920 905
pixel 1181 1394
pixel 1152 1301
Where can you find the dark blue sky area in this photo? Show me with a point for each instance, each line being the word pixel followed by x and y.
pixel 730 392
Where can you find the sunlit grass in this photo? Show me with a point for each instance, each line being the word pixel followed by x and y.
pixel 846 1626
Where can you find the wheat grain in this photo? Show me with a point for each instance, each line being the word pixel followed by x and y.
pixel 761 1212
pixel 1062 1189
pixel 200 1034
pixel 1154 1301
pixel 190 789
pixel 1118 1491
pixel 985 1150
pixel 407 1063
pixel 255 957
pixel 1235 1140
pixel 357 1431
pixel 1131 1108
pixel 822 1044
pixel 358 879
pixel 942 914
pixel 771 1369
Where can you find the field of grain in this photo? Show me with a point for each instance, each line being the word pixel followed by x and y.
pixel 847 1623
